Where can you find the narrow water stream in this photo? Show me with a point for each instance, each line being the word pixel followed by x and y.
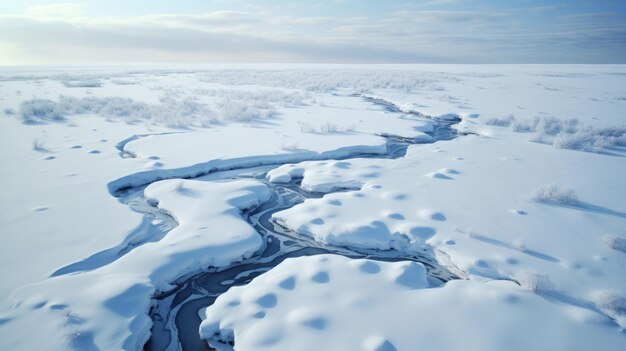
pixel 175 314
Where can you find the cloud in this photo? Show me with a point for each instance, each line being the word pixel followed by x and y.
pixel 62 33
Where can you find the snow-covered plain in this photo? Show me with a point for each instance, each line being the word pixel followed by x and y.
pixel 527 205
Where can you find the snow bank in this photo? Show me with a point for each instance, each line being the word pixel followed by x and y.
pixel 106 307
pixel 320 303
pixel 469 201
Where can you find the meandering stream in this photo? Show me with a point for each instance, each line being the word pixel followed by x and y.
pixel 175 314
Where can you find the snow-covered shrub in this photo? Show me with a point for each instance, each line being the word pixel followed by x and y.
pixel 9 111
pixel 39 110
pixel 546 125
pixel 326 80
pixel 501 122
pixel 525 125
pixel 38 145
pixel 534 281
pixel 238 111
pixel 591 139
pixel 553 126
pixel 555 194
pixel 306 127
pixel 328 127
pixel 569 133
pixel 124 108
pixel 173 110
pixel 611 303
pixel 124 82
pixel 82 83
pixel 581 141
pixel 614 242
pixel 323 128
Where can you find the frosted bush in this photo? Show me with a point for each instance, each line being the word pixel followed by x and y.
pixel 326 80
pixel 554 126
pixel 239 112
pixel 591 139
pixel 9 111
pixel 38 145
pixel 568 133
pixel 534 281
pixel 324 128
pixel 40 110
pixel 173 110
pixel 526 126
pixel 582 141
pixel 328 127
pixel 124 82
pixel 87 83
pixel 500 122
pixel 262 99
pixel 611 303
pixel 614 242
pixel 555 194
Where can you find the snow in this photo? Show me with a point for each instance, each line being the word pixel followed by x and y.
pixel 117 301
pixel 290 308
pixel 474 202
pixel 497 204
pixel 345 125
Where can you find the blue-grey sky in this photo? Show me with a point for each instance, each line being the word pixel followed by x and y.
pixel 343 31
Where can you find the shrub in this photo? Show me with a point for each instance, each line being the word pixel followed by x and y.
pixel 611 303
pixel 554 194
pixel 38 145
pixel 534 281
pixel 328 127
pixel 614 242
pixel 86 83
pixel 501 122
pixel 40 110
pixel 171 111
pixel 567 133
pixel 324 128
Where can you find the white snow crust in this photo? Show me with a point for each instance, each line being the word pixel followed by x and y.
pixel 331 302
pixel 531 191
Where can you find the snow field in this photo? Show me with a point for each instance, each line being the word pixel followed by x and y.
pixel 334 303
pixel 499 204
pixel 473 203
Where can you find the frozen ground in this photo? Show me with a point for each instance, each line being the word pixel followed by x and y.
pixel 512 196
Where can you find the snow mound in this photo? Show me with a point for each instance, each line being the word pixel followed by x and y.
pixel 106 306
pixel 331 302
pixel 471 211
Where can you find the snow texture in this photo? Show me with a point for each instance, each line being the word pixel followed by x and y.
pixel 292 308
pixel 81 268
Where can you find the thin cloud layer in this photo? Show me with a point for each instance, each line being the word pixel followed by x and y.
pixel 64 34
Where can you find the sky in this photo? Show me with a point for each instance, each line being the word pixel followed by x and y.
pixel 48 32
